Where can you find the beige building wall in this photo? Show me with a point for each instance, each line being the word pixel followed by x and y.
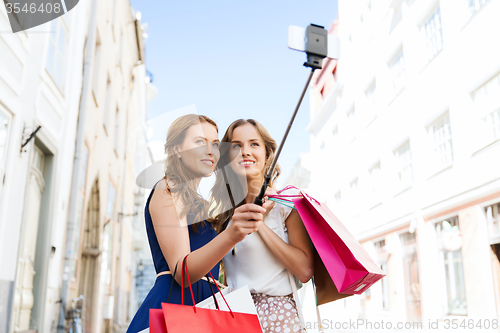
pixel 116 107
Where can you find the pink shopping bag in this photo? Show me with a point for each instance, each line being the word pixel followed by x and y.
pixel 344 268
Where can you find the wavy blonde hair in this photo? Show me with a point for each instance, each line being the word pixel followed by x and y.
pixel 219 190
pixel 178 175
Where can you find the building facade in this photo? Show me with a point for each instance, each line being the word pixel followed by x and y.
pixel 405 134
pixel 80 76
pixel 40 85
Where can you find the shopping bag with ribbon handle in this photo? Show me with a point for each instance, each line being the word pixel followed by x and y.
pixel 192 319
pixel 341 266
pixel 240 300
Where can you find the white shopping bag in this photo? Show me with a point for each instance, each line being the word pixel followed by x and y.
pixel 239 300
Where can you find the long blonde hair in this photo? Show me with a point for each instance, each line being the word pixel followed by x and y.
pixel 176 173
pixel 219 190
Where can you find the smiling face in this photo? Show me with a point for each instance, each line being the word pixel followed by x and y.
pixel 248 152
pixel 199 152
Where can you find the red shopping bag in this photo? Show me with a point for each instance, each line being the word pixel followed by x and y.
pixel 157 321
pixel 344 268
pixel 175 318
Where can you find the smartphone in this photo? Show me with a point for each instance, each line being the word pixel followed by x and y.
pixel 297 40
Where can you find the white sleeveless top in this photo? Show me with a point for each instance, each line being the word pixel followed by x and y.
pixel 254 264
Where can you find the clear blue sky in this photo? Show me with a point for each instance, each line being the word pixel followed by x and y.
pixel 231 60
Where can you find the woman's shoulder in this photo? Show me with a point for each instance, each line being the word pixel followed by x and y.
pixel 162 203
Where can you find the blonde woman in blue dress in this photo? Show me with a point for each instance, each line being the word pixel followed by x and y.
pixel 263 260
pixel 173 219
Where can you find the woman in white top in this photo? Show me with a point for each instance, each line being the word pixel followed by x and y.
pixel 281 245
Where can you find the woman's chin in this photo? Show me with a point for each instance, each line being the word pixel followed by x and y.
pixel 206 172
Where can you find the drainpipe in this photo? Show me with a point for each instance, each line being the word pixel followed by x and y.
pixel 122 215
pixel 80 137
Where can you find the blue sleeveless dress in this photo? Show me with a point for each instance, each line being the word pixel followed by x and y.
pixel 159 293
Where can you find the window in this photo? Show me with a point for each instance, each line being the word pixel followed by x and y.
pixel 411 276
pixel 370 95
pixel 493 220
pixel 354 184
pixel 397 17
pixel 335 132
pixel 96 71
pixel 375 179
pixel 433 34
pixel 492 126
pixel 83 168
pixel 120 56
pixel 488 92
pixel 111 201
pixel 450 248
pixel 38 159
pixel 397 73
pixel 487 102
pixel 56 51
pixel 404 168
pixel 107 106
pixel 107 252
pixel 382 258
pixel 4 141
pixel 440 134
pixel 475 5
pixel 79 209
pixel 117 131
pixel 351 113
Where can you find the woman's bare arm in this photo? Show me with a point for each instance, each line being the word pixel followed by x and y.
pixel 297 256
pixel 173 237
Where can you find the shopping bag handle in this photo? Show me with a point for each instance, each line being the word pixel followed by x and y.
pixel 287 188
pixel 172 283
pixel 213 293
pixel 220 292
pixel 184 267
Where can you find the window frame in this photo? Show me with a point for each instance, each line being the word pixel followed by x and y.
pixel 3 159
pixel 487 107
pixel 375 197
pixel 476 8
pixel 398 78
pixel 442 257
pixel 429 39
pixel 400 167
pixel 116 139
pixel 382 260
pixel 492 221
pixel 55 56
pixel 431 134
pixel 109 205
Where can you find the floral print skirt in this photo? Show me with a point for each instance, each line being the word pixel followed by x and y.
pixel 277 313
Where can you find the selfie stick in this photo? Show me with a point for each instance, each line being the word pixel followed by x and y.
pixel 316 47
pixel 267 179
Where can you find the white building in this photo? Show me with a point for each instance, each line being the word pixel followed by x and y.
pixel 40 85
pixel 86 78
pixel 405 139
